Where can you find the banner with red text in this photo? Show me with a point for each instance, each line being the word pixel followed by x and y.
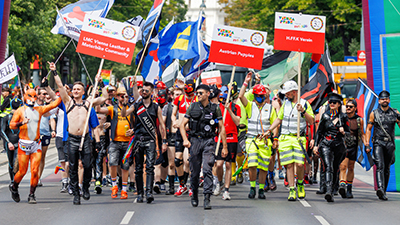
pixel 237 46
pixel 108 39
pixel 299 32
pixel 211 77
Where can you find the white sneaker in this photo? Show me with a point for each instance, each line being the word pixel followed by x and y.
pixel 226 196
pixel 217 190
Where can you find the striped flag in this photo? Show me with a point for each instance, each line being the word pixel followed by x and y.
pixel 367 101
pixel 152 17
pixel 314 65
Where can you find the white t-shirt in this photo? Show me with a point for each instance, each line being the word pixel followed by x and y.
pixel 60 123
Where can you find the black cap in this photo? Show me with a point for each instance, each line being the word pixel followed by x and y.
pixel 214 91
pixel 384 94
pixel 335 97
pixel 204 87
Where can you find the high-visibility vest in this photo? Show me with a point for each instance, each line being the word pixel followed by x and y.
pixel 289 122
pixel 6 110
pixel 254 125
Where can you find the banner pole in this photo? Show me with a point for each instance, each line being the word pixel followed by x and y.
pixel 298 94
pixel 90 105
pixel 225 110
pixel 145 47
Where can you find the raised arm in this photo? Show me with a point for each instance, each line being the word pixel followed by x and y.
pixel 63 92
pixel 126 112
pixel 242 98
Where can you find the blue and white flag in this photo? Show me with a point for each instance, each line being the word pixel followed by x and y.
pixel 367 101
pixel 153 17
pixel 73 15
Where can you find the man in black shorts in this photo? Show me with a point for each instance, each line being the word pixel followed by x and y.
pixel 352 141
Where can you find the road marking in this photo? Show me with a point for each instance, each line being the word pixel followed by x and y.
pixel 127 217
pixel 304 203
pixel 322 220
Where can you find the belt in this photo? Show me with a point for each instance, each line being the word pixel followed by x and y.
pixel 382 139
pixel 144 138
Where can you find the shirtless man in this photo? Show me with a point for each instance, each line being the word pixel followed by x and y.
pixel 77 110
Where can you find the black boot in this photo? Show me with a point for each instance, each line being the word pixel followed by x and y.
pixel 86 193
pixel 149 188
pixel 252 193
pixel 195 198
pixel 329 194
pixel 171 181
pixel 342 190
pixel 77 200
pixel 14 192
pixel 381 194
pixel 349 193
pixel 261 194
pixel 139 198
pixel 322 184
pixel 207 203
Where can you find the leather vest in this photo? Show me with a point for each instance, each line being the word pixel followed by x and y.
pixel 203 120
pixel 388 120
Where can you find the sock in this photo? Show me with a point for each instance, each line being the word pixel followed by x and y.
pixel 32 190
pixel 300 182
pixel 185 177
pixel 220 183
pixel 349 183
pixel 233 166
pixel 261 186
pixel 342 182
pixel 171 181
pixel 181 183
pixel 239 160
pixel 114 181
pixel 124 184
pixel 252 183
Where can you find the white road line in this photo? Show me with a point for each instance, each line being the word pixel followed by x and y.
pixel 322 220
pixel 304 203
pixel 127 217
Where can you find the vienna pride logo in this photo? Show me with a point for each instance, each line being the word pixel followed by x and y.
pixel 225 33
pixel 286 19
pixel 96 24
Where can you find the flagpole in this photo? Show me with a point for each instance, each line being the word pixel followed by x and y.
pixel 147 43
pixel 90 105
pixel 60 56
pixel 225 110
pixel 368 87
pixel 298 93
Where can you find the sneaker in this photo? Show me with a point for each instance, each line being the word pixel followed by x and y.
pixel 32 199
pixel 342 190
pixel 156 188
pixel 40 184
pixel 162 187
pixel 190 192
pixel 281 176
pixel 292 195
pixel 240 178
pixel 306 181
pixel 124 195
pixel 201 182
pixel 300 191
pixel 131 188
pixel 261 194
pixel 14 193
pixel 64 188
pixel 226 196
pixel 217 190
pixel 97 188
pixel 70 192
pixel 104 182
pixel 285 182
pixel 114 192
pixel 252 193
pixel 181 190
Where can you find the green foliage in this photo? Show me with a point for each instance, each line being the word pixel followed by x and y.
pixel 354 46
pixel 342 18
pixel 31 22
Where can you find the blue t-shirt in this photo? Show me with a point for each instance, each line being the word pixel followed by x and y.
pixel 93 121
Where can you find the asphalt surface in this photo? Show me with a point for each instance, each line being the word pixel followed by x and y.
pixel 54 207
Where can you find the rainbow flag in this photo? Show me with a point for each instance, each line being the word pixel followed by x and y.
pixel 382 44
pixel 58 168
pixel 105 75
pixel 128 152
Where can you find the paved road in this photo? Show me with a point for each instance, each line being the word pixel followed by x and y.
pixel 56 208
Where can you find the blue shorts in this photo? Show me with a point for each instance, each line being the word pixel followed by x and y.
pixel 46 140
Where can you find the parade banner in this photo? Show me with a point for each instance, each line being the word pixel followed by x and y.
pixel 108 39
pixel 299 32
pixel 8 69
pixel 211 77
pixel 237 46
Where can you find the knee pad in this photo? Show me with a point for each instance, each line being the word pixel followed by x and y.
pixel 178 162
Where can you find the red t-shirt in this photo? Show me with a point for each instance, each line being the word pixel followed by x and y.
pixel 184 103
pixel 230 127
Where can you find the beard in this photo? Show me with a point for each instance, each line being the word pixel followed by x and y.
pixel 385 104
pixel 145 96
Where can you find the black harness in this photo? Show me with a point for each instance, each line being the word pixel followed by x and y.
pixel 78 105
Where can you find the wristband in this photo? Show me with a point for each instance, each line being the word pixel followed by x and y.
pixel 54 72
pixel 302 113
pixel 276 138
pixel 245 84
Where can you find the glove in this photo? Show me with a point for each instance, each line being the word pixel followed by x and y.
pixel 45 83
pixel 131 100
pixel 98 146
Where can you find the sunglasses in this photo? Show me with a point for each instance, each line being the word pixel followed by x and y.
pixel 349 106
pixel 200 93
pixel 384 99
pixel 146 91
pixel 333 102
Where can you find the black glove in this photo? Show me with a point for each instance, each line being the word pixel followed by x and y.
pixel 45 83
pixel 98 146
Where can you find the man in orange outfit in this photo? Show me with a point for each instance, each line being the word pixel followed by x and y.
pixel 27 119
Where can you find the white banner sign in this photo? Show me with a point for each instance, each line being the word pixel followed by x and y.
pixel 8 69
